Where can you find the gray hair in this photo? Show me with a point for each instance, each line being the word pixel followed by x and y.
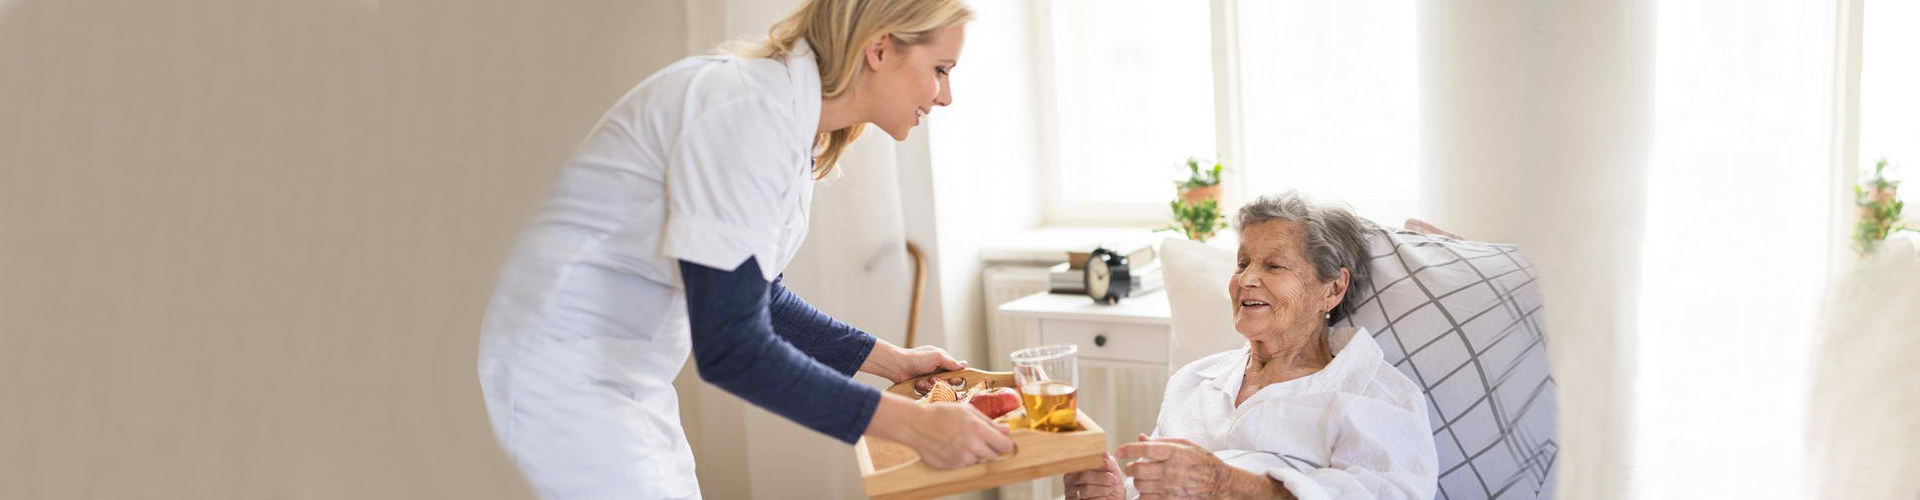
pixel 1335 238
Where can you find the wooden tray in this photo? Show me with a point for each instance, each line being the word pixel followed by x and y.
pixel 892 471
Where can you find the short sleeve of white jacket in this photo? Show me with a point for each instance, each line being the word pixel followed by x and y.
pixel 731 180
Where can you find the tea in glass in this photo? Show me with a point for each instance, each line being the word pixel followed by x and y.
pixel 1050 406
pixel 1049 378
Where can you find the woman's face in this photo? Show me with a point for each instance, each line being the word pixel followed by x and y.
pixel 1274 290
pixel 907 82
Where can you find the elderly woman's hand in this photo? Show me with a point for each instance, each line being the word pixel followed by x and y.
pixel 1103 483
pixel 1174 469
pixel 1420 226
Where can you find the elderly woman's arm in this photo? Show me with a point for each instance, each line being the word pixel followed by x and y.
pixel 1174 468
pixel 1380 451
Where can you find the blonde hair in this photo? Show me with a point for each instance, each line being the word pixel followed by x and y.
pixel 839 32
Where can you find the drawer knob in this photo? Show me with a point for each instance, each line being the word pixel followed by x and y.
pixel 1100 340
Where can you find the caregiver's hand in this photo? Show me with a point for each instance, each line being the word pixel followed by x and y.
pixel 947 435
pixel 899 364
pixel 1103 483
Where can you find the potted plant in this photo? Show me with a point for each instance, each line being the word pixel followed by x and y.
pixel 1197 220
pixel 1880 207
pixel 1199 184
pixel 1196 208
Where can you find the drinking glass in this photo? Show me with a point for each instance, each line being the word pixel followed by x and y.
pixel 1049 377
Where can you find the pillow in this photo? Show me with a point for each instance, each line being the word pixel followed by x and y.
pixel 1470 315
pixel 1196 280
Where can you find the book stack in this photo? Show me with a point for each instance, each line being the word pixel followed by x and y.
pixel 1143 265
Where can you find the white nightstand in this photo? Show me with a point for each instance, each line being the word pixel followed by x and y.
pixel 1134 333
pixel 1124 350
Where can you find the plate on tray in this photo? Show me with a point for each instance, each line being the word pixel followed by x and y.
pixel 892 471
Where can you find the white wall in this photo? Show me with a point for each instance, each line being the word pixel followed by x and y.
pixel 248 244
pixel 1536 131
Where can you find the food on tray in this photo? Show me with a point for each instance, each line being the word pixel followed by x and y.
pixel 941 393
pixel 949 390
pixel 994 402
pixel 1053 411
pixel 1015 420
pixel 922 386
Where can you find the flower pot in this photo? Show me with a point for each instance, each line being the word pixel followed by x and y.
pixel 1886 195
pixel 1192 195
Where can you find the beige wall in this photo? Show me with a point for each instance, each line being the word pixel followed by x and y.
pixel 245 246
pixel 1537 132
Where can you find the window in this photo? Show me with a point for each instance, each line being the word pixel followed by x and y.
pixel 1329 102
pixel 1133 88
pixel 1890 93
pixel 1326 103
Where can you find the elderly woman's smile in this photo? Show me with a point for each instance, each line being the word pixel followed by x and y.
pixel 1274 289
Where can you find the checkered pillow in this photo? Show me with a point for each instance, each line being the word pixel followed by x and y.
pixel 1463 319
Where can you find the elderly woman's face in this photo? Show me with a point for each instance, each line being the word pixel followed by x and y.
pixel 1274 289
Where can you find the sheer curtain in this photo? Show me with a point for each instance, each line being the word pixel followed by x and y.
pixel 1736 246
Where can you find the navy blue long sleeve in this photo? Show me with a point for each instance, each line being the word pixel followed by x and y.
pixel 735 347
pixel 837 344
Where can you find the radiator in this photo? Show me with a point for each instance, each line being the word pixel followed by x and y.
pixel 1003 284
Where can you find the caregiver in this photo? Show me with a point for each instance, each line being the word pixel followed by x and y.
pixel 666 234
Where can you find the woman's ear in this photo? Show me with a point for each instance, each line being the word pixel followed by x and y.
pixel 1336 290
pixel 879 52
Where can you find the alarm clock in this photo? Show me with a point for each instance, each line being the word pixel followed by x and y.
pixel 1106 276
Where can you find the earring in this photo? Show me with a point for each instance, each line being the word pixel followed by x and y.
pixel 1327 315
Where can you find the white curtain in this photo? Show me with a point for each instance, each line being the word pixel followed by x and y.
pixel 1668 166
pixel 1736 246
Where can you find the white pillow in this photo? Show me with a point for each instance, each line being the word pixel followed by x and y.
pixel 1433 296
pixel 1196 278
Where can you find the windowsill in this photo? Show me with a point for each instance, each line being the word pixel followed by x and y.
pixel 1912 236
pixel 1050 244
pixel 1903 243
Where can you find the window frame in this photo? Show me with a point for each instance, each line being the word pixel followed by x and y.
pixel 1849 161
pixel 1230 129
pixel 1228 132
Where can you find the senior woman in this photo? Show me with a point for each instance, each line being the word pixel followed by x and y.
pixel 1303 410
